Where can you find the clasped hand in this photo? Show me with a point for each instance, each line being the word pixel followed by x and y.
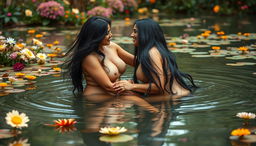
pixel 123 85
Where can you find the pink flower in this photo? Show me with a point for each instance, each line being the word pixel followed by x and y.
pixel 100 11
pixel 33 1
pixel 18 66
pixel 244 7
pixel 51 9
pixel 9 14
pixel 13 55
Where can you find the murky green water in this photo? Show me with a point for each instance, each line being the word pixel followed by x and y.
pixel 205 118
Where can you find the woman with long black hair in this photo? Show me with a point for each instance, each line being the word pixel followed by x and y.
pixel 156 71
pixel 96 59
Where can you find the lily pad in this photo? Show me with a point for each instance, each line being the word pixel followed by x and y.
pixel 15 91
pixel 201 56
pixel 115 139
pixel 198 53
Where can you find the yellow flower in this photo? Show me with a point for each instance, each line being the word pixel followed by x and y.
pixel 20 75
pixel 155 11
pixel 246 34
pixel 205 35
pixel 49 45
pixel 28 13
pixel 29 54
pixel 3 84
pixel 224 37
pixel 64 122
pixel 239 33
pixel 16 119
pixel 240 132
pixel 31 31
pixel 41 56
pixel 2 47
pixel 245 115
pixel 12 79
pixel 208 31
pixel 216 8
pixel 112 130
pixel 57 69
pixel 20 142
pixel 57 49
pixel 51 55
pixel 30 77
pixel 37 42
pixel 56 42
pixel 21 45
pixel 220 33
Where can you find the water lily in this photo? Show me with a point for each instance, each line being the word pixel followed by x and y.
pixel 112 130
pixel 38 35
pixel 246 34
pixel 10 41
pixel 12 79
pixel 31 31
pixel 171 44
pixel 16 119
pixel 41 56
pixel 64 122
pixel 20 75
pixel 240 132
pixel 220 33
pixel 3 85
pixel 49 45
pixel 20 142
pixel 57 69
pixel 216 48
pixel 245 115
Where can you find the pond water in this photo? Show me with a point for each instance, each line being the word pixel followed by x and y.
pixel 205 118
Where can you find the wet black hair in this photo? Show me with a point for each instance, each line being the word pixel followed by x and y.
pixel 87 41
pixel 151 35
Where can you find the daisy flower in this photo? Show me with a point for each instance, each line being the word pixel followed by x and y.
pixel 16 119
pixel 245 115
pixel 10 41
pixel 112 130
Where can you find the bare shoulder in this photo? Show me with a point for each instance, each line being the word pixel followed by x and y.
pixel 154 52
pixel 114 45
pixel 90 58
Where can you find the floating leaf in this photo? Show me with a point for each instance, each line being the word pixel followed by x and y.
pixel 117 138
pixel 15 91
pixel 201 56
pixel 198 53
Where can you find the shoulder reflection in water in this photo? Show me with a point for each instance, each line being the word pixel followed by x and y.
pixel 145 118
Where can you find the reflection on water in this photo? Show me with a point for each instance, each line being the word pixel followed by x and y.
pixel 205 118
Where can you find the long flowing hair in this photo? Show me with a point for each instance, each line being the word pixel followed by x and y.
pixel 87 41
pixel 151 35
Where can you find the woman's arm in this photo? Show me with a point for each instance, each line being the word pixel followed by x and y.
pixel 127 57
pixel 156 61
pixel 92 66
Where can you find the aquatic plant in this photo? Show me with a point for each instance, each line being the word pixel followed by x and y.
pixel 112 130
pixel 240 132
pixel 64 122
pixel 16 119
pixel 245 115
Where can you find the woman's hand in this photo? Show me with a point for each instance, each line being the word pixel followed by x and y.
pixel 123 85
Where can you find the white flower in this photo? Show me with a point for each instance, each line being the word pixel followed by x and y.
pixel 2 37
pixel 2 47
pixel 29 54
pixel 76 11
pixel 37 42
pixel 112 130
pixel 28 13
pixel 245 115
pixel 10 41
pixel 16 119
pixel 41 56
pixel 20 142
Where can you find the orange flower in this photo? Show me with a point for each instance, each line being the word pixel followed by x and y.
pixel 246 34
pixel 67 12
pixel 64 122
pixel 49 45
pixel 152 1
pixel 66 16
pixel 215 48
pixel 39 36
pixel 57 69
pixel 240 132
pixel 20 45
pixel 30 77
pixel 20 75
pixel 51 55
pixel 171 44
pixel 220 33
pixel 224 37
pixel 3 84
pixel 208 31
pixel 216 8
pixel 205 35
pixel 31 31
pixel 243 49
pixel 216 27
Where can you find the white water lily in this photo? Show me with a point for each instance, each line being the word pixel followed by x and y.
pixel 29 54
pixel 41 56
pixel 245 115
pixel 76 11
pixel 112 130
pixel 10 41
pixel 16 119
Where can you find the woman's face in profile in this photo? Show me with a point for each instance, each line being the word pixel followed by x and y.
pixel 134 36
pixel 106 40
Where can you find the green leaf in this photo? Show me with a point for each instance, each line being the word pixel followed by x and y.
pixel 6 19
pixel 14 19
pixel 46 22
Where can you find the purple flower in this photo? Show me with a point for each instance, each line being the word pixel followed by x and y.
pixel 100 11
pixel 51 9
pixel 18 66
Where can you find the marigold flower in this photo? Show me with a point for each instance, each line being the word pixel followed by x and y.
pixel 224 37
pixel 240 132
pixel 216 48
pixel 29 77
pixel 39 36
pixel 20 75
pixel 246 34
pixel 205 35
pixel 216 8
pixel 3 84
pixel 16 119
pixel 245 115
pixel 31 31
pixel 56 42
pixel 51 55
pixel 64 122
pixel 57 69
pixel 243 49
pixel 112 130
pixel 220 33
pixel 171 44
pixel 49 45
